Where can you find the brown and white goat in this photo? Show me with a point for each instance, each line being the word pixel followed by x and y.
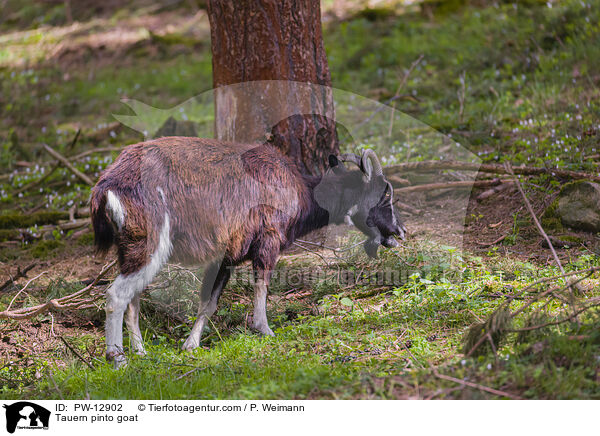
pixel 217 203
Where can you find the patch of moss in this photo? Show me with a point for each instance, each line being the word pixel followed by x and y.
pixel 18 221
pixel 375 14
pixel 571 238
pixel 173 39
pixel 43 248
pixel 293 309
pixel 570 186
pixel 550 220
pixel 9 253
pixel 8 235
pixel 86 239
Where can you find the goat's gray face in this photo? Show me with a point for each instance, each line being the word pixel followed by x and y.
pixel 364 197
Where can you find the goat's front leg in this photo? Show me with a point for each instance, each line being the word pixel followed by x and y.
pixel 215 279
pixel 262 277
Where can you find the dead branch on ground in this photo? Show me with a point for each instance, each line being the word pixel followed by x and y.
pixel 500 322
pixel 55 154
pixel 20 274
pixel 485 168
pixel 467 184
pixel 73 301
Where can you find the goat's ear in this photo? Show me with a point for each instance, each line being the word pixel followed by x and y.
pixel 333 161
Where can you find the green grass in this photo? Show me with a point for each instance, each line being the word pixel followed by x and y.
pixel 355 346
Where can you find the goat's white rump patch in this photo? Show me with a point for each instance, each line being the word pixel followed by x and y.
pixel 125 287
pixel 115 207
pixel 162 193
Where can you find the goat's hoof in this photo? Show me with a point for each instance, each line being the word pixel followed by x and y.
pixel 118 359
pixel 190 345
pixel 264 330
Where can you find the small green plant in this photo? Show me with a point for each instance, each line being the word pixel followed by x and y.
pixel 514 235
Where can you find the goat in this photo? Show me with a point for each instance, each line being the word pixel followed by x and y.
pixel 220 203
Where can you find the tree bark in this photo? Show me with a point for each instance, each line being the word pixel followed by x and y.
pixel 273 40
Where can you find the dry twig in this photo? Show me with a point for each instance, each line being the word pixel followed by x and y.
pixel 23 289
pixel 73 301
pixel 485 168
pixel 55 154
pixel 70 347
pixel 400 86
pixel 509 169
pixel 467 184
pixel 20 274
pixel 476 386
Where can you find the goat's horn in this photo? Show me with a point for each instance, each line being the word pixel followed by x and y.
pixel 351 157
pixel 370 154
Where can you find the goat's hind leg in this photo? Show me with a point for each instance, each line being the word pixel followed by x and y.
pixel 215 278
pixel 126 289
pixel 123 290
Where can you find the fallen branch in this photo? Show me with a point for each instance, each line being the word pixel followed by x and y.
pixel 55 154
pixel 467 184
pixel 489 244
pixel 499 322
pixel 407 207
pixel 400 86
pixel 74 141
pixel 190 372
pixel 397 181
pixel 75 224
pixel 560 243
pixel 495 190
pixel 95 150
pixel 70 347
pixel 485 168
pixel 557 322
pixel 20 274
pixel 72 301
pixel 552 291
pixel 560 276
pixel 476 386
pixel 509 169
pixel 23 289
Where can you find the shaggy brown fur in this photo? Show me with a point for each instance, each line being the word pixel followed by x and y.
pixel 218 203
pixel 225 200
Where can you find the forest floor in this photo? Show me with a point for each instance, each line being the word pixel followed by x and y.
pixel 509 83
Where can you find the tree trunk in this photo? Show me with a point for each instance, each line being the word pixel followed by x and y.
pixel 273 40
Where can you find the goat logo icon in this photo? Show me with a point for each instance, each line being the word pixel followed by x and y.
pixel 26 415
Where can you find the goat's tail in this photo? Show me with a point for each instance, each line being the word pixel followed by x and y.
pixel 103 222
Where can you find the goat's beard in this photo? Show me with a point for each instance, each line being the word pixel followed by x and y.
pixel 371 245
pixel 390 242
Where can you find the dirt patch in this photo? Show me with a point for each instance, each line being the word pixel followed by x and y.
pixel 74 263
pixel 503 221
pixel 23 343
pixel 104 42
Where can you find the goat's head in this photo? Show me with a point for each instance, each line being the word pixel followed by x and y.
pixel 361 197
